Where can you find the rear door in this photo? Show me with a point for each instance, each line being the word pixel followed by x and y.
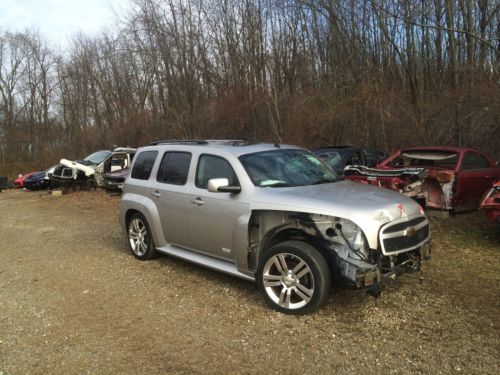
pixel 475 176
pixel 170 194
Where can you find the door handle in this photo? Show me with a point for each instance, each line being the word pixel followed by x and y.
pixel 156 193
pixel 198 201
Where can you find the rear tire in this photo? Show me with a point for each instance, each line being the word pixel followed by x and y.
pixel 294 278
pixel 140 239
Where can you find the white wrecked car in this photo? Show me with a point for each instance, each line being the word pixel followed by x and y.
pixel 89 172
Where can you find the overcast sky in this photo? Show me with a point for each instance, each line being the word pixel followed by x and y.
pixel 58 20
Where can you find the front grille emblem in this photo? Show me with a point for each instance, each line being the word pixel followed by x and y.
pixel 410 232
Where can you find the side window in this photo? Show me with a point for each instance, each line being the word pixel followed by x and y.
pixel 332 158
pixel 373 156
pixel 210 166
pixel 355 159
pixel 174 168
pixel 143 165
pixel 473 161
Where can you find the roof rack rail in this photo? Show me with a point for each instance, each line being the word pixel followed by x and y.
pixel 180 142
pixel 233 141
pixel 226 142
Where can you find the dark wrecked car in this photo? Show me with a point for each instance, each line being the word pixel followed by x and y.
pixel 445 178
pixel 89 172
pixel 4 183
pixel 39 180
pixel 339 157
pixel 491 203
pixel 114 180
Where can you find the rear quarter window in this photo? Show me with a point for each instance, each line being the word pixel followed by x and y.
pixel 143 165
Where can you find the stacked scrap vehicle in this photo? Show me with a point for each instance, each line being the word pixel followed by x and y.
pixel 445 178
pixel 89 173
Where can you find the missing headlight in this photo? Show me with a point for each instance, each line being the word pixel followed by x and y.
pixel 354 238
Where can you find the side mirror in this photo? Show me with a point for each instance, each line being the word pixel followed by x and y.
pixel 221 185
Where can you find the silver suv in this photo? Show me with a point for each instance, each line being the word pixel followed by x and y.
pixel 274 214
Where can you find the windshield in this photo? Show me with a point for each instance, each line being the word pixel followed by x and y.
pixel 281 168
pixel 97 157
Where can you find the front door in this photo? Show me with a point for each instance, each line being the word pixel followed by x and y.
pixel 213 217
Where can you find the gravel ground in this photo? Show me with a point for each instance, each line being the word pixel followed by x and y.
pixel 73 300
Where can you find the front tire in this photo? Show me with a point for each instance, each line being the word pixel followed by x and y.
pixel 294 278
pixel 140 239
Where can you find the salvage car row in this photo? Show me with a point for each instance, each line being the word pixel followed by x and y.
pixel 451 179
pixel 106 169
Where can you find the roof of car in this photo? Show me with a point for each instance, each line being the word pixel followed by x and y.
pixel 123 149
pixel 236 147
pixel 338 148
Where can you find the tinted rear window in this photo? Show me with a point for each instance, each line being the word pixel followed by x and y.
pixel 143 165
pixel 174 168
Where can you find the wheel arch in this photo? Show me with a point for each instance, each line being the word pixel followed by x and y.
pixel 129 206
pixel 274 227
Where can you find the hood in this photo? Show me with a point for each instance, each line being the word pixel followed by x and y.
pixel 345 197
pixel 89 171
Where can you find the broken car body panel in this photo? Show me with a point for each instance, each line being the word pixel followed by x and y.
pixel 491 203
pixel 446 178
pixel 115 180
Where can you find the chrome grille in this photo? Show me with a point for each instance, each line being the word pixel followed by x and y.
pixel 404 235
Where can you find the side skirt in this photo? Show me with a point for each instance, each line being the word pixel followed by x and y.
pixel 205 261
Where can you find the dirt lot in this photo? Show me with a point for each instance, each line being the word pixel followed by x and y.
pixel 74 300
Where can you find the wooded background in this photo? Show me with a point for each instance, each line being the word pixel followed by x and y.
pixel 382 73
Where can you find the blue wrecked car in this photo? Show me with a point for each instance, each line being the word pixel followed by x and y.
pixel 39 180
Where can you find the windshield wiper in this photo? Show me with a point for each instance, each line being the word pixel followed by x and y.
pixel 278 184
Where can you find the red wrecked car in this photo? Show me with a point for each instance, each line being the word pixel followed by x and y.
pixel 445 178
pixel 491 203
pixel 19 181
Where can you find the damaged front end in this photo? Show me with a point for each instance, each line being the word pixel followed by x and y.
pixel 402 244
pixel 73 174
